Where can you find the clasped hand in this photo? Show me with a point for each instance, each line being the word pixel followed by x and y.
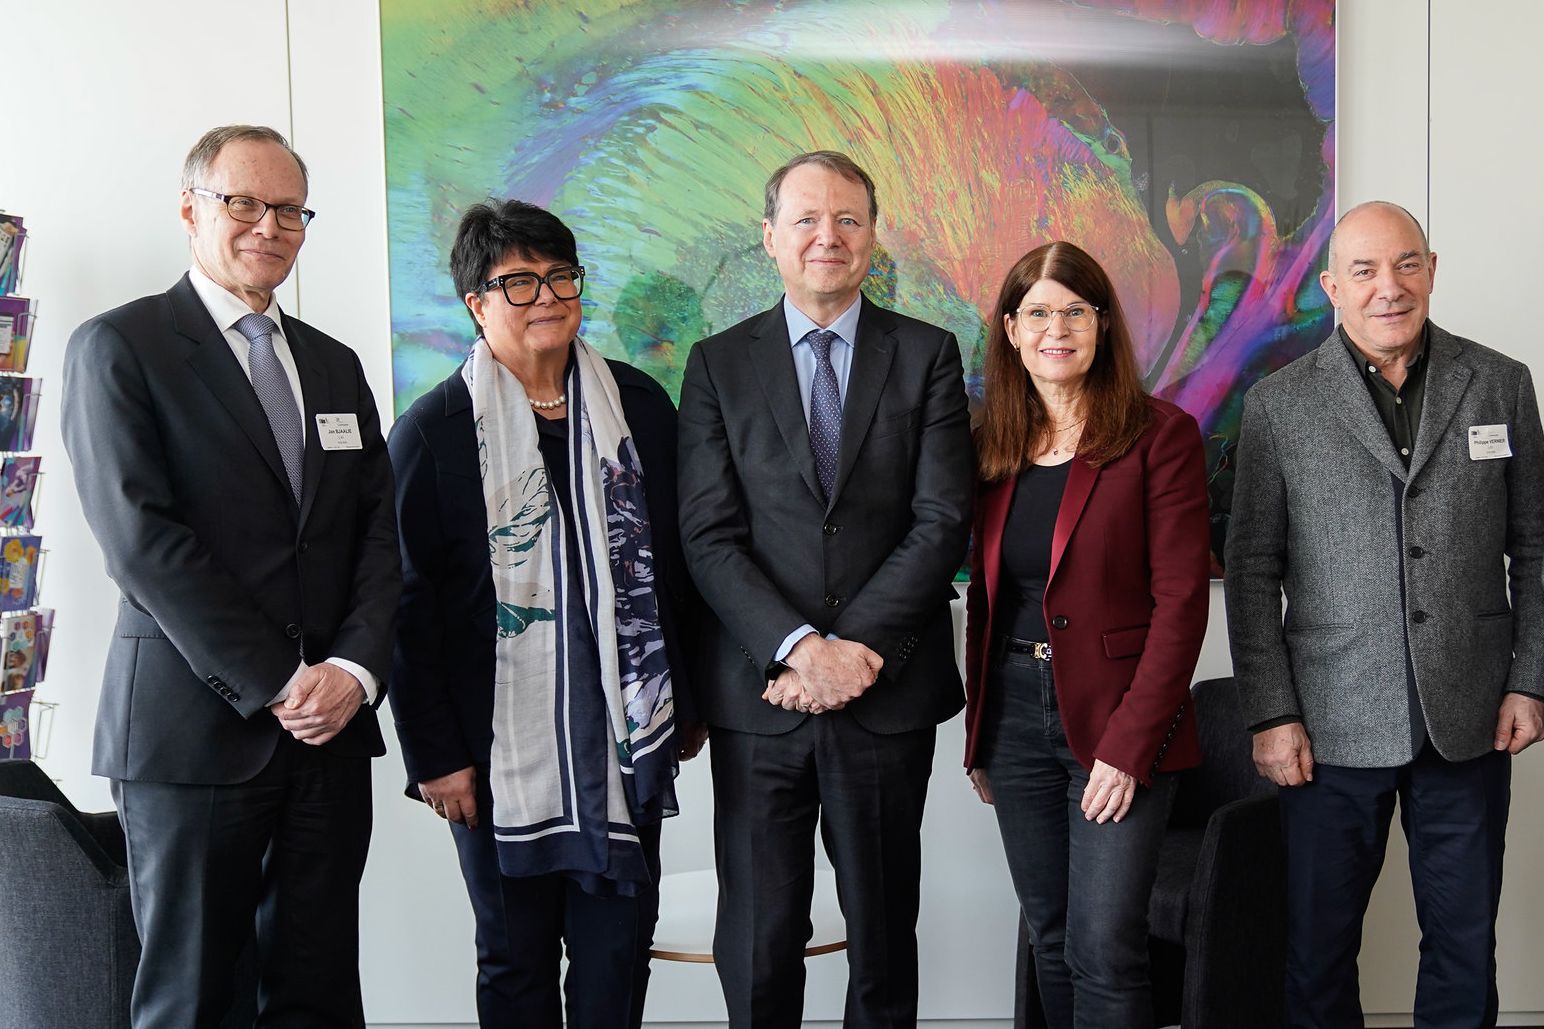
pixel 320 704
pixel 823 675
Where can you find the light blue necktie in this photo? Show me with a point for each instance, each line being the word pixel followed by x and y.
pixel 825 409
pixel 274 393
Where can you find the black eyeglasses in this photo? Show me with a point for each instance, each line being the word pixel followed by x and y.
pixel 251 210
pixel 522 288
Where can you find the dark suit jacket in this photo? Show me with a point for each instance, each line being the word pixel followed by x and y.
pixel 443 665
pixel 226 584
pixel 1125 605
pixel 875 564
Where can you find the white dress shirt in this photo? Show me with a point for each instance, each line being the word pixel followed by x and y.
pixel 226 308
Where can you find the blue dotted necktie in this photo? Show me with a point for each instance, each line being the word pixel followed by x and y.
pixel 825 409
pixel 274 393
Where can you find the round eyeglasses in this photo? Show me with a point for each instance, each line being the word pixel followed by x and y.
pixel 522 288
pixel 251 210
pixel 1077 318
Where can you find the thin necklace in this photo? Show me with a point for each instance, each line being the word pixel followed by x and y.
pixel 548 405
pixel 1064 428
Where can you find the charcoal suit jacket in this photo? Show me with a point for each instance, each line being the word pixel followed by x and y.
pixel 874 563
pixel 227 584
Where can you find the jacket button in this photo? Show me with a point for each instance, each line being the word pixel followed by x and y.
pixel 292 631
pixel 830 530
pixel 304 547
pixel 1418 617
pixel 1417 552
pixel 1413 492
pixel 214 680
pixel 832 600
pixel 1059 622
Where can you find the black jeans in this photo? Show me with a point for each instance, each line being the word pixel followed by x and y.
pixel 1083 886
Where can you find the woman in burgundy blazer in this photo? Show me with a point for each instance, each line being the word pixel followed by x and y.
pixel 1085 615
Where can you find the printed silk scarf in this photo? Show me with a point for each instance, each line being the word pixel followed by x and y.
pixel 560 805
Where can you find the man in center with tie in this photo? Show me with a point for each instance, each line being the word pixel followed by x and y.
pixel 826 474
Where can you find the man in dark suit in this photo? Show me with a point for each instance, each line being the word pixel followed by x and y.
pixel 229 460
pixel 1391 485
pixel 826 474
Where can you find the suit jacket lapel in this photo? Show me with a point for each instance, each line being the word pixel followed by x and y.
pixel 994 502
pixel 313 388
pixel 1346 394
pixel 773 360
pixel 871 360
pixel 1080 483
pixel 214 363
pixel 1446 380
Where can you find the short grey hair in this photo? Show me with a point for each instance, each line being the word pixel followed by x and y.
pixel 208 147
pixel 1387 205
pixel 830 160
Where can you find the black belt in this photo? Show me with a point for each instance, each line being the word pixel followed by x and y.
pixel 1035 649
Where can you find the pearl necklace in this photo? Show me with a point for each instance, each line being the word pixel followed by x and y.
pixel 548 405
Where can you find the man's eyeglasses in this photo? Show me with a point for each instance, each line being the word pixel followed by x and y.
pixel 1077 318
pixel 522 288
pixel 251 210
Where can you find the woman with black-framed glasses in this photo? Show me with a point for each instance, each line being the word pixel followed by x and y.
pixel 537 685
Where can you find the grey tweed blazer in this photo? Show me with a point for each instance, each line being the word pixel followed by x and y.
pixel 1367 552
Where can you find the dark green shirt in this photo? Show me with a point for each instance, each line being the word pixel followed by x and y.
pixel 1399 408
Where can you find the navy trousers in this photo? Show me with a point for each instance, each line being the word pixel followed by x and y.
pixel 1454 817
pixel 523 925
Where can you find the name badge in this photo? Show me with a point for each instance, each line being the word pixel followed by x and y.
pixel 1488 442
pixel 341 431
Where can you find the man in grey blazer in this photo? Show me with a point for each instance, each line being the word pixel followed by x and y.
pixel 826 473
pixel 230 463
pixel 1384 483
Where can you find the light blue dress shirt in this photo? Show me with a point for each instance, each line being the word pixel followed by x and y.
pixel 845 326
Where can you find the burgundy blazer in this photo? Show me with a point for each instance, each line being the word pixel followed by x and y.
pixel 1125 605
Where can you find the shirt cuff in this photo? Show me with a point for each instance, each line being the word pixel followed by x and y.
pixel 791 639
pixel 368 681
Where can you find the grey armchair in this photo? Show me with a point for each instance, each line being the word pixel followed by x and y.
pixel 68 948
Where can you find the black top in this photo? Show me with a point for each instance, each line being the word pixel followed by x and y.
pixel 1026 556
pixel 552 441
pixel 1400 409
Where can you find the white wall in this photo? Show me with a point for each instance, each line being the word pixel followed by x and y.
pixel 130 86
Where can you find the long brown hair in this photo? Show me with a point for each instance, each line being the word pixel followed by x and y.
pixel 1014 421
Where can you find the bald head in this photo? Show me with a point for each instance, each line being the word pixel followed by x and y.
pixel 1380 280
pixel 1370 207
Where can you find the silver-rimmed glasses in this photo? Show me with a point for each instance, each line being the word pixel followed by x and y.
pixel 1077 317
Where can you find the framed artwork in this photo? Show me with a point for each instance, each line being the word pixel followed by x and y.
pixel 1187 144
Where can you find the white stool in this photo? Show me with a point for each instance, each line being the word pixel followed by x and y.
pixel 688 905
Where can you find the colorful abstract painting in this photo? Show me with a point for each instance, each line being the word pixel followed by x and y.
pixel 1187 144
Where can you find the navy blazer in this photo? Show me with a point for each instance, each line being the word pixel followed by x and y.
pixel 443 664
